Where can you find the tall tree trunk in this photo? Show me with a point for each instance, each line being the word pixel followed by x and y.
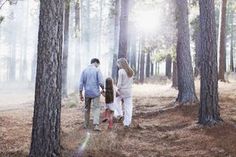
pixel 133 50
pixel 139 58
pixel 221 41
pixel 232 43
pixel 197 53
pixel 232 53
pixel 45 140
pixel 209 109
pixel 100 27
pixel 168 66
pixel 85 27
pixel 116 39
pixel 33 65
pixel 12 70
pixel 156 68
pixel 65 48
pixel 23 65
pixel 152 69
pixel 148 64
pixel 77 48
pixel 184 64
pixel 142 67
pixel 114 68
pixel 175 75
pixel 123 36
pixel 130 33
pixel 88 31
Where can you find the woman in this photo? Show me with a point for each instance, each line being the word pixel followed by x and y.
pixel 124 90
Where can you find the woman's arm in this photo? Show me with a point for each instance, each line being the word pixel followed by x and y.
pixel 119 79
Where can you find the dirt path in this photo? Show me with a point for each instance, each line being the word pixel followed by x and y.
pixel 15 99
pixel 173 132
pixel 154 132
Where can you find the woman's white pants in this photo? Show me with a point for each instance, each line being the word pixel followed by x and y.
pixel 128 109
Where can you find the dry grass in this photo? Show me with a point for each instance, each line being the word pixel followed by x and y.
pixel 154 132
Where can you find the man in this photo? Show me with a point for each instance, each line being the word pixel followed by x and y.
pixel 91 79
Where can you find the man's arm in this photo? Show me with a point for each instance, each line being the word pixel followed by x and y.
pixel 81 86
pixel 81 95
pixel 100 80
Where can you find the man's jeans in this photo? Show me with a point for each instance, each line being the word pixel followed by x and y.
pixel 95 109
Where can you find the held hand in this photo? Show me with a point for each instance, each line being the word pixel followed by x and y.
pixel 117 94
pixel 81 98
pixel 103 93
pixel 81 95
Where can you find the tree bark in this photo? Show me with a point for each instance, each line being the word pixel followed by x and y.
pixel 85 27
pixel 168 66
pixel 197 53
pixel 232 43
pixel 65 48
pixel 114 68
pixel 78 42
pixel 156 68
pixel 152 69
pixel 123 35
pixel 100 26
pixel 139 58
pixel 232 53
pixel 77 18
pixel 231 57
pixel 133 50
pixel 45 140
pixel 175 75
pixel 116 40
pixel 142 67
pixel 184 64
pixel 221 41
pixel 209 109
pixel 148 64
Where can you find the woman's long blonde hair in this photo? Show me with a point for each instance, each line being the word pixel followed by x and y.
pixel 123 64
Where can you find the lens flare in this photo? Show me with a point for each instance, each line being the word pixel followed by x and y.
pixel 83 146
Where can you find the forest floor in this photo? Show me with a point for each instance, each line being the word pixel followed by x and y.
pixel 159 127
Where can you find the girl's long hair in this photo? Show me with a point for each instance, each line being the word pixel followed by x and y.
pixel 122 62
pixel 109 92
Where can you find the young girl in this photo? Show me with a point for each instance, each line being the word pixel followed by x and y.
pixel 109 100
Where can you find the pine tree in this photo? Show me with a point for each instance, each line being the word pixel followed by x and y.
pixel 45 140
pixel 209 109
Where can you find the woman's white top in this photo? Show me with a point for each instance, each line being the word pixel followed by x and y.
pixel 124 84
